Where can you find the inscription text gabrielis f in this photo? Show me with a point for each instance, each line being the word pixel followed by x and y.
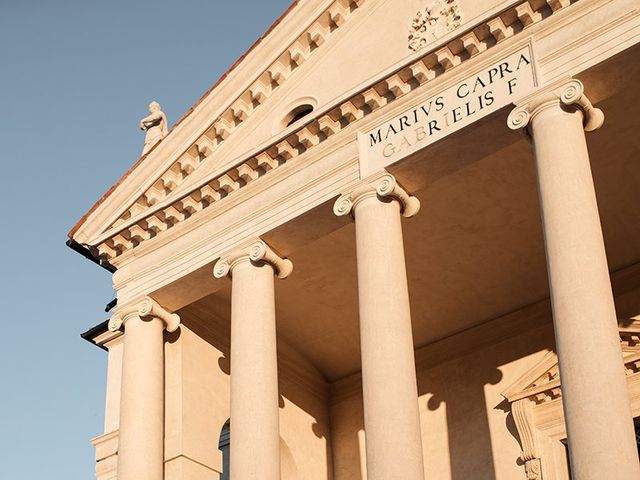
pixel 443 112
pixel 437 19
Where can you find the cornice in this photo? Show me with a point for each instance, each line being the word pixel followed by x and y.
pixel 221 228
pixel 502 329
pixel 421 69
pixel 295 369
pixel 292 366
pixel 107 339
pixel 382 185
pixel 256 251
pixel 144 308
pixel 461 344
pixel 616 28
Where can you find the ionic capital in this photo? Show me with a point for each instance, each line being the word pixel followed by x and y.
pixel 380 185
pixel 569 92
pixel 144 308
pixel 256 251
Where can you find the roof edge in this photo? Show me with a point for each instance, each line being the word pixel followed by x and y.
pixel 93 332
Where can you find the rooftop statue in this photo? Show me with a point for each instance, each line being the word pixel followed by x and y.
pixel 155 124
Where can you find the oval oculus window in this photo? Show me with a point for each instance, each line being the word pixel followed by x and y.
pixel 298 113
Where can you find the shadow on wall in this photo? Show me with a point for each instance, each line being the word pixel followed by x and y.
pixel 294 396
pixel 460 386
pixel 456 384
pixel 510 424
pixel 467 388
pixel 470 448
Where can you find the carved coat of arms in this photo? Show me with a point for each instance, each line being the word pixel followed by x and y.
pixel 438 18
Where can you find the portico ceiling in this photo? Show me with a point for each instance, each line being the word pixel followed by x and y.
pixel 475 251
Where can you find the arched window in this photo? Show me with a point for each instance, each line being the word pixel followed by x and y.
pixel 223 445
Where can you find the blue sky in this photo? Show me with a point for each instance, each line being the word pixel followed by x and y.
pixel 75 78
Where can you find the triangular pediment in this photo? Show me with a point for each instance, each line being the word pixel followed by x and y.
pixel 344 58
pixel 542 382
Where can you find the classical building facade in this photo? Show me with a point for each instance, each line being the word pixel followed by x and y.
pixel 376 249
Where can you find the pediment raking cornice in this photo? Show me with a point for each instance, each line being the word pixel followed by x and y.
pixel 429 64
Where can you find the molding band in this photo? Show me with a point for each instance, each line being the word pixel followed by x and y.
pixel 569 92
pixel 382 185
pixel 256 251
pixel 144 308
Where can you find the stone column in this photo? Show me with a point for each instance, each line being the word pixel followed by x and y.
pixel 594 389
pixel 255 431
pixel 141 435
pixel 390 395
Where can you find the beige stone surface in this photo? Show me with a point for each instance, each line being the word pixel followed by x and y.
pixel 442 316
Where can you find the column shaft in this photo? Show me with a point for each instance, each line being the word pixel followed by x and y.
pixel 391 416
pixel 255 437
pixel 594 390
pixel 141 437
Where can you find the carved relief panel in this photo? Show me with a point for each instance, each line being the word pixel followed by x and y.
pixel 434 21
